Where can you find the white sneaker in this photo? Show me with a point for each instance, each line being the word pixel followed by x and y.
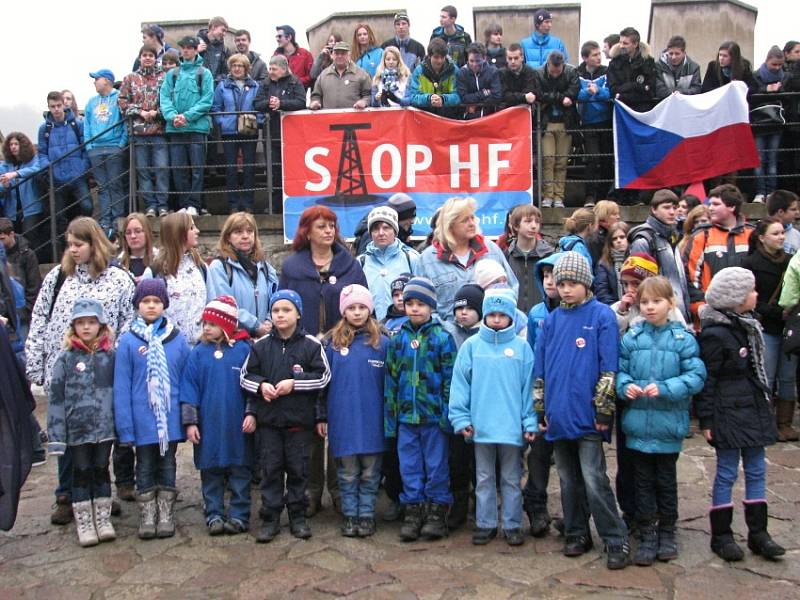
pixel 191 211
pixel 547 203
pixel 759 199
pixel 558 204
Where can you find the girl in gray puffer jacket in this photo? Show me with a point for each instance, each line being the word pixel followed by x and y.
pixel 81 415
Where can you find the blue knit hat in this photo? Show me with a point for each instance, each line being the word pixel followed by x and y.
pixel 422 289
pixel 501 300
pixel 289 295
pixel 151 287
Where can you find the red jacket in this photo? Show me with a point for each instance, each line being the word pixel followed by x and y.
pixel 300 64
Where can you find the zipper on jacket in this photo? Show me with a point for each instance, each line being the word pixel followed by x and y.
pixel 414 380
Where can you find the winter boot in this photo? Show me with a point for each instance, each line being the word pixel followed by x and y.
pixel 62 511
pixel 165 526
pixel 270 529
pixel 458 512
pixel 758 539
pixel 84 523
pixel 435 522
pixel 784 413
pixel 126 492
pixel 102 519
pixel 298 525
pixel 412 523
pixel 540 523
pixel 148 511
pixel 667 544
pixel 722 542
pixel 648 544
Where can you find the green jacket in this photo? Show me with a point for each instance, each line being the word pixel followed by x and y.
pixel 181 94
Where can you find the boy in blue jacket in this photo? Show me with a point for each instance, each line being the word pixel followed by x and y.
pixel 491 404
pixel 419 366
pixel 541 454
pixel 574 369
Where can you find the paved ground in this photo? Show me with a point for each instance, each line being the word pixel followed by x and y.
pixel 39 560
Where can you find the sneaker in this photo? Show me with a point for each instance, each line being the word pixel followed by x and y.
pixel 483 535
pixel 589 202
pixel 191 211
pixel 269 531
pixel 234 527
pixel 151 212
pixel 547 203
pixel 759 199
pixel 204 212
pixel 216 526
pixel 163 212
pixel 366 526
pixel 558 204
pixel 618 556
pixel 349 527
pixel 559 526
pixel 577 545
pixel 514 537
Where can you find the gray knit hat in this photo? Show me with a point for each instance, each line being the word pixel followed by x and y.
pixel 383 214
pixel 730 287
pixel 573 266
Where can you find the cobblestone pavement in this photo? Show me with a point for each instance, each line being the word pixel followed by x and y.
pixel 40 560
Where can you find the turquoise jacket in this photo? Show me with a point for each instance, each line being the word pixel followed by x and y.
pixel 669 357
pixel 370 60
pixel 102 116
pixel 181 95
pixel 491 387
pixel 382 266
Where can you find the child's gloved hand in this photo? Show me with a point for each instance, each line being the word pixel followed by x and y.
pixel 193 434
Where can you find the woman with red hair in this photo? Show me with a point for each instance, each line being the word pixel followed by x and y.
pixel 318 270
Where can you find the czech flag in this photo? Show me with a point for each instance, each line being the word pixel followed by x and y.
pixel 684 139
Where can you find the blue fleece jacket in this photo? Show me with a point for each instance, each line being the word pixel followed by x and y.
pixel 491 387
pixel 102 116
pixel 577 345
pixel 252 299
pixel 354 403
pixel 669 357
pixel 382 266
pixel 210 385
pixel 538 46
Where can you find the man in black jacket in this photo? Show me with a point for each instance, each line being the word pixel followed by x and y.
pixel 212 48
pixel 632 71
pixel 25 267
pixel 517 78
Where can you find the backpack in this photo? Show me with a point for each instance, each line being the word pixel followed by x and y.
pixel 49 125
pixel 645 231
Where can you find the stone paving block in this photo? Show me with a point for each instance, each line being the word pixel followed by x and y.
pixel 331 560
pixel 720 581
pixel 284 577
pixel 344 585
pixel 597 575
pixel 165 571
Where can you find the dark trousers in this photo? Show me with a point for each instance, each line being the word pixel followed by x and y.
pixel 64 487
pixel 124 459
pixel 90 478
pixel 535 493
pixel 462 464
pixel 390 469
pixel 625 481
pixel 240 200
pixel 152 469
pixel 285 456
pixel 598 167
pixel 656 479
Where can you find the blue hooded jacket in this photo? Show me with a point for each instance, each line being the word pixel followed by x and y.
pixel 668 356
pixel 537 47
pixel 55 140
pixel 491 387
pixel 594 108
pixel 252 299
pixel 539 312
pixel 228 97
pixel 370 60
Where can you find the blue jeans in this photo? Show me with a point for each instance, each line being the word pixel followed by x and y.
pixel 780 366
pixel 486 458
pixel 154 470
pixel 585 489
pixel 152 165
pixel 359 478
pixel 755 474
pixel 231 144
pixel 768 152
pixel 90 477
pixel 213 486
pixel 187 159
pixel 423 464
pixel 108 168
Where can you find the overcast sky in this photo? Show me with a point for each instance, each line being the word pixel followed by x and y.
pixel 46 48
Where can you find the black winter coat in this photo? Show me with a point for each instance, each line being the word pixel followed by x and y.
pixel 516 85
pixel 273 359
pixel 715 78
pixel 551 91
pixel 733 403
pixel 291 92
pixel 768 276
pixel 26 269
pixel 633 79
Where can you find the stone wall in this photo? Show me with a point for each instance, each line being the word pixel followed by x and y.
pixel 344 23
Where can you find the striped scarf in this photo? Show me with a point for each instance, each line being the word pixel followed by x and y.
pixel 158 387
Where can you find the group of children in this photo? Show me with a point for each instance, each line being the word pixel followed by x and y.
pixel 417 382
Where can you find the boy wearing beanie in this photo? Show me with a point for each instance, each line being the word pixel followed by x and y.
pixel 490 404
pixel 734 410
pixel 282 376
pixel 575 407
pixel 419 366
pixel 396 313
pixel 468 310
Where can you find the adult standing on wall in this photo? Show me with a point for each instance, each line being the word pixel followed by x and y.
pixel 85 272
pixel 300 59
pixel 540 44
pixel 318 269
pixel 180 266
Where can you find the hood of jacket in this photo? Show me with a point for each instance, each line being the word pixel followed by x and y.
pixel 191 65
pixel 68 116
pixel 538 274
pixel 448 70
pixel 230 83
pixel 644 51
pixel 661 228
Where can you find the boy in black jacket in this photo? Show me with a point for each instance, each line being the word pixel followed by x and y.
pixel 283 375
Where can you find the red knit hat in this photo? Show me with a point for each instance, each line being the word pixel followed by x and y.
pixel 224 312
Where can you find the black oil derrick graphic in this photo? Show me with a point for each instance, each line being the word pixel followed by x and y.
pixel 351 186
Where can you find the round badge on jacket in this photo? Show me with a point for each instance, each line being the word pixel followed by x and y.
pixel 80 367
pixel 344 351
pixel 297 369
pixel 415 344
pixel 580 342
pixel 218 354
pixel 743 352
pixel 332 279
pixel 509 352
